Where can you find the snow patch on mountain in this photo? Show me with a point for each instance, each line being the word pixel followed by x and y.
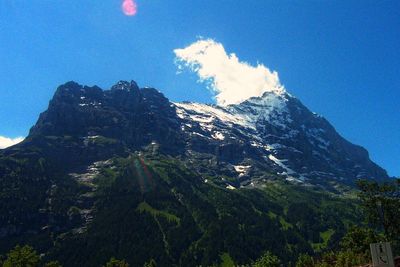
pixel 280 163
pixel 270 107
pixel 218 135
pixel 207 114
pixel 249 114
pixel 241 169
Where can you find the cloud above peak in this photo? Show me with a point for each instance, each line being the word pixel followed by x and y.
pixel 7 142
pixel 233 81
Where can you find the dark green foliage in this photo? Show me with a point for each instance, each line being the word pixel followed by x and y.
pixel 381 204
pixel 151 263
pixel 305 260
pixel 350 259
pixel 53 264
pixel 354 251
pixel 24 256
pixel 113 262
pixel 343 259
pixel 320 219
pixel 267 260
pixel 357 240
pixel 158 208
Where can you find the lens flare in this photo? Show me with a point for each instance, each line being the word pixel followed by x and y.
pixel 129 7
pixel 144 176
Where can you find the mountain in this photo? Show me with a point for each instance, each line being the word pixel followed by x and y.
pixel 275 133
pixel 272 133
pixel 127 173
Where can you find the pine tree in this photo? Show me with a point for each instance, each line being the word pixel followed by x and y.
pixel 113 262
pixel 267 260
pixel 24 256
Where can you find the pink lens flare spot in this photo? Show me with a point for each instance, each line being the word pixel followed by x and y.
pixel 129 7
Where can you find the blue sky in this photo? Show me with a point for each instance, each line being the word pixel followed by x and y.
pixel 340 58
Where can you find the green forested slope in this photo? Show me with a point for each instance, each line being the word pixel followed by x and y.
pixel 153 207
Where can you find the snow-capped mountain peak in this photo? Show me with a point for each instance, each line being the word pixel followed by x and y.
pixel 272 135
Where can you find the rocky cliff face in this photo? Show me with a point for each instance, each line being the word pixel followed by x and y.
pixel 126 113
pixel 86 124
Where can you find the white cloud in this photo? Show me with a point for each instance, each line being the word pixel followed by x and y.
pixel 6 142
pixel 232 80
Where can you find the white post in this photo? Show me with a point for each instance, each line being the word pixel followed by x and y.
pixel 382 255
